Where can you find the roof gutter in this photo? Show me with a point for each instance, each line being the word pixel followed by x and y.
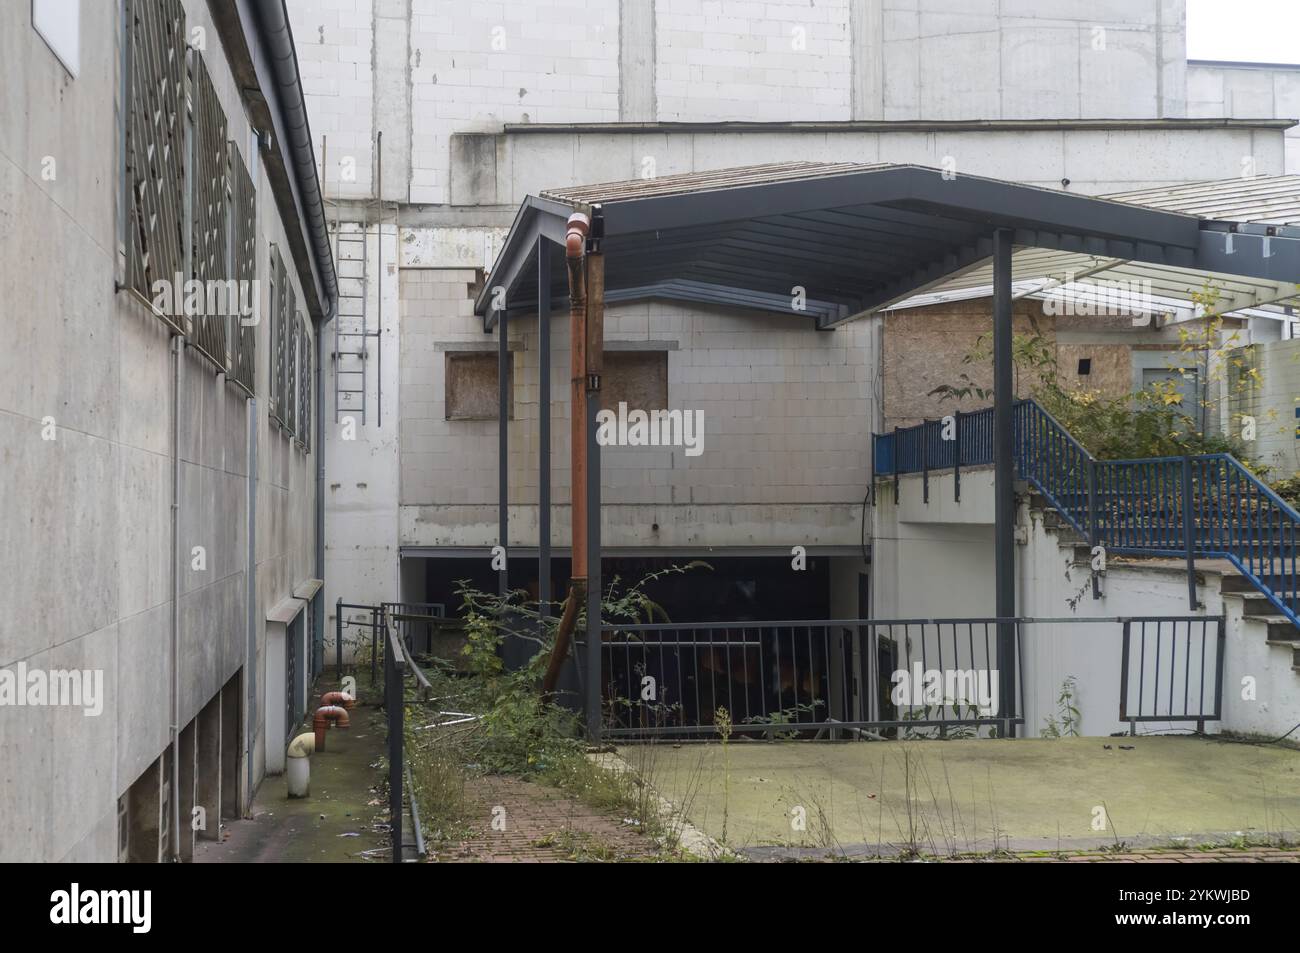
pixel 1189 124
pixel 259 46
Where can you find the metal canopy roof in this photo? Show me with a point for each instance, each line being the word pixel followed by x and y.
pixel 862 237
pixel 1246 204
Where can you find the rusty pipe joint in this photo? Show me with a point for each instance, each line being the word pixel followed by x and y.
pixel 325 716
pixel 575 249
pixel 338 698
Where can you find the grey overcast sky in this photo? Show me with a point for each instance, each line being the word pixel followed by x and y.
pixel 1261 31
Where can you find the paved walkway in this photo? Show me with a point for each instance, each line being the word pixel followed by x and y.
pixel 516 821
pixel 344 819
pixel 1223 855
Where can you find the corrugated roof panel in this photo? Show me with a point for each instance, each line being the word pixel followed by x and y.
pixel 705 181
pixel 1265 200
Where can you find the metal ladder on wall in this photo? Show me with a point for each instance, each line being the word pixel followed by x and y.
pixel 353 335
pixel 352 332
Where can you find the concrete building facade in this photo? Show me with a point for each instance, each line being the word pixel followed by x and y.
pixel 161 466
pixel 440 118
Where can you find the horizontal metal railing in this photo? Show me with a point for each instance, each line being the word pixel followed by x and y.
pixel 398 665
pixel 888 677
pixel 800 677
pixel 1202 506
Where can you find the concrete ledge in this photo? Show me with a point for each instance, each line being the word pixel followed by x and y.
pixel 285 611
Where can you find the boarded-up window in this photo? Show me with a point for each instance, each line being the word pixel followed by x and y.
pixel 637 378
pixel 471 392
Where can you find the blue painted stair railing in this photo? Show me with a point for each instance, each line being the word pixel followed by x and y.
pixel 1187 507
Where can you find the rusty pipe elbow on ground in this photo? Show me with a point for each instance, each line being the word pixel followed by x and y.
pixel 325 716
pixel 338 698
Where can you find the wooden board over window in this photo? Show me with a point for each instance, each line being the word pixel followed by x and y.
pixel 471 391
pixel 637 378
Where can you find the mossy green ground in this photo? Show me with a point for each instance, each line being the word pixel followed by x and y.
pixel 1027 794
pixel 318 828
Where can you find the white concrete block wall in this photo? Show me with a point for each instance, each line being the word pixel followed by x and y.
pixel 335 41
pixel 784 411
pixel 1021 59
pixel 1248 91
pixel 475 67
pixel 478 65
pixel 361 462
pixel 1093 161
pixel 759 60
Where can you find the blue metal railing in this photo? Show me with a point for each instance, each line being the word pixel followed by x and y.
pixel 1207 506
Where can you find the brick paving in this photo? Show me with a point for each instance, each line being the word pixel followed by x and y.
pixel 1218 855
pixel 541 825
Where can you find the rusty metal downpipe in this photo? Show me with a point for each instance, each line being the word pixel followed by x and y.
pixel 575 255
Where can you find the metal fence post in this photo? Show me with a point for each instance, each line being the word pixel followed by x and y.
pixel 956 457
pixel 925 462
pixel 1189 533
pixel 1220 645
pixel 393 706
pixel 338 638
pixel 898 458
pixel 1093 540
pixel 376 626
pixel 1123 675
pixel 1004 465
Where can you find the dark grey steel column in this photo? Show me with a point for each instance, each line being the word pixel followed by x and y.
pixel 1004 500
pixel 594 639
pixel 543 428
pixel 503 446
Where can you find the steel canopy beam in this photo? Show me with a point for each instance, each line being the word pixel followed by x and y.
pixel 537 218
pixel 543 434
pixel 963 197
pixel 709 293
pixel 1004 499
pixel 1250 254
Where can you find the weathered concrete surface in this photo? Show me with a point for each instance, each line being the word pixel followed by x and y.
pixel 345 800
pixel 1024 794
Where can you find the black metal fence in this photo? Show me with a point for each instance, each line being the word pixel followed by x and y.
pixel 398 665
pixel 1171 671
pixel 810 678
pixel 895 678
pixel 395 666
pixel 349 616
pixel 416 622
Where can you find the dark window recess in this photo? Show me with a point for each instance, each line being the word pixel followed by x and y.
pixel 637 378
pixel 1085 366
pixel 471 391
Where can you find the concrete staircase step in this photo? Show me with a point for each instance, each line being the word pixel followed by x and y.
pixel 1257 606
pixel 1280 629
pixel 1239 583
